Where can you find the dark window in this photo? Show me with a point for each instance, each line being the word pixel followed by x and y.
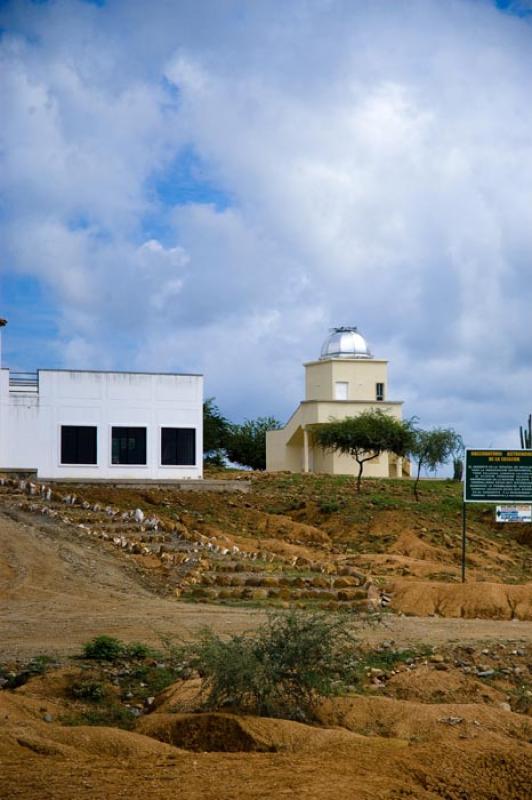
pixel 129 446
pixel 178 446
pixel 78 444
pixel 380 391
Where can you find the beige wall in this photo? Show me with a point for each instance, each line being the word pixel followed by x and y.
pixel 361 376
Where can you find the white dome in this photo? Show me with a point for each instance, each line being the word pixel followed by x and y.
pixel 345 343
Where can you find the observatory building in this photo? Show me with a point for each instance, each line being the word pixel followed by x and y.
pixel 85 424
pixel 345 381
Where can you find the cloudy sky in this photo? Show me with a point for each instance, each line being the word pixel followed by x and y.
pixel 209 185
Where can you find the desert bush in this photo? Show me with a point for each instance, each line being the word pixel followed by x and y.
pixel 104 648
pixel 281 670
pixel 140 650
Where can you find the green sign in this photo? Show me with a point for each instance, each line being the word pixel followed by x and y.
pixel 498 476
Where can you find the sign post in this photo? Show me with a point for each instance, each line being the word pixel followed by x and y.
pixel 495 476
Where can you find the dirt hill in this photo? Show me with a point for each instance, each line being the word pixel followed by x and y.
pixel 443 705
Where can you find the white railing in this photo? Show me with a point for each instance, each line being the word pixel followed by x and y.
pixel 23 381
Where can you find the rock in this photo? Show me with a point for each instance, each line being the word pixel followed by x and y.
pixel 451 720
pixel 48 717
pixel 436 658
pixel 485 673
pixel 441 667
pixel 505 706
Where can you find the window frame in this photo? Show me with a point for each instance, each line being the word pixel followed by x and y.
pixel 128 465
pixel 178 428
pixel 344 384
pixel 379 396
pixel 60 461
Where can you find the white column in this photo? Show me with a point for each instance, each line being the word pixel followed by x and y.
pixel 305 450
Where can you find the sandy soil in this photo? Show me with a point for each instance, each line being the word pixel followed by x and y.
pixel 57 590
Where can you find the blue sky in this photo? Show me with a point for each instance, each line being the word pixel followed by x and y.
pixel 210 185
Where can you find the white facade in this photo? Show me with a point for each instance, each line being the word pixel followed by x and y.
pixel 112 408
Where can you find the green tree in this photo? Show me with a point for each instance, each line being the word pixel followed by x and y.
pixel 432 448
pixel 216 432
pixel 246 444
pixel 365 437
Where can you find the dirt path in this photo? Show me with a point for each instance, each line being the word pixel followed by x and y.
pixel 58 589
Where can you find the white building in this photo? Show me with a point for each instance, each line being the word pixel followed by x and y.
pixel 344 382
pixel 106 425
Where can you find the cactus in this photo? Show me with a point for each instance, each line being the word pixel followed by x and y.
pixel 526 435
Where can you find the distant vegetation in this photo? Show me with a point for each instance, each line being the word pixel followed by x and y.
pixel 431 449
pixel 525 434
pixel 243 444
pixel 363 437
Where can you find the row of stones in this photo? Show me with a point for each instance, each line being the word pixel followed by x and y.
pixel 197 572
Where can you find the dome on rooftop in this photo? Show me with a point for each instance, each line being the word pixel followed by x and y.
pixel 345 342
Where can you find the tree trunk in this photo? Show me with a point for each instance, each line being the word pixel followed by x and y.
pixel 359 476
pixel 417 481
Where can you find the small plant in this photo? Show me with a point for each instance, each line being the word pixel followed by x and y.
pixel 329 506
pixel 522 699
pixel 88 690
pixel 104 648
pixel 37 666
pixel 140 650
pixel 281 670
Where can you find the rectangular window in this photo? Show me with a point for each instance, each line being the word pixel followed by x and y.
pixel 340 390
pixel 78 444
pixel 380 391
pixel 128 446
pixel 178 447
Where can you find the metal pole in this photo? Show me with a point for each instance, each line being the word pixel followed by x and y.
pixel 464 523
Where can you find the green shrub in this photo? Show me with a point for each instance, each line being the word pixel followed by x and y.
pixel 115 716
pixel 140 650
pixel 281 670
pixel 88 690
pixel 329 506
pixel 104 648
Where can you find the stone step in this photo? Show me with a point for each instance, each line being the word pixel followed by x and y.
pixel 337 598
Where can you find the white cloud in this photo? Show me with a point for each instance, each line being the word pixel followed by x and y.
pixel 378 158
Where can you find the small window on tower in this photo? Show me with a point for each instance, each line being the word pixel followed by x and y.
pixel 380 391
pixel 340 390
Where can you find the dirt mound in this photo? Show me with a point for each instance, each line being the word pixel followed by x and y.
pixel 88 741
pixel 25 727
pixel 180 696
pixel 453 752
pixel 427 685
pixel 469 600
pixel 419 722
pixel 408 544
pixel 278 526
pixel 230 733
